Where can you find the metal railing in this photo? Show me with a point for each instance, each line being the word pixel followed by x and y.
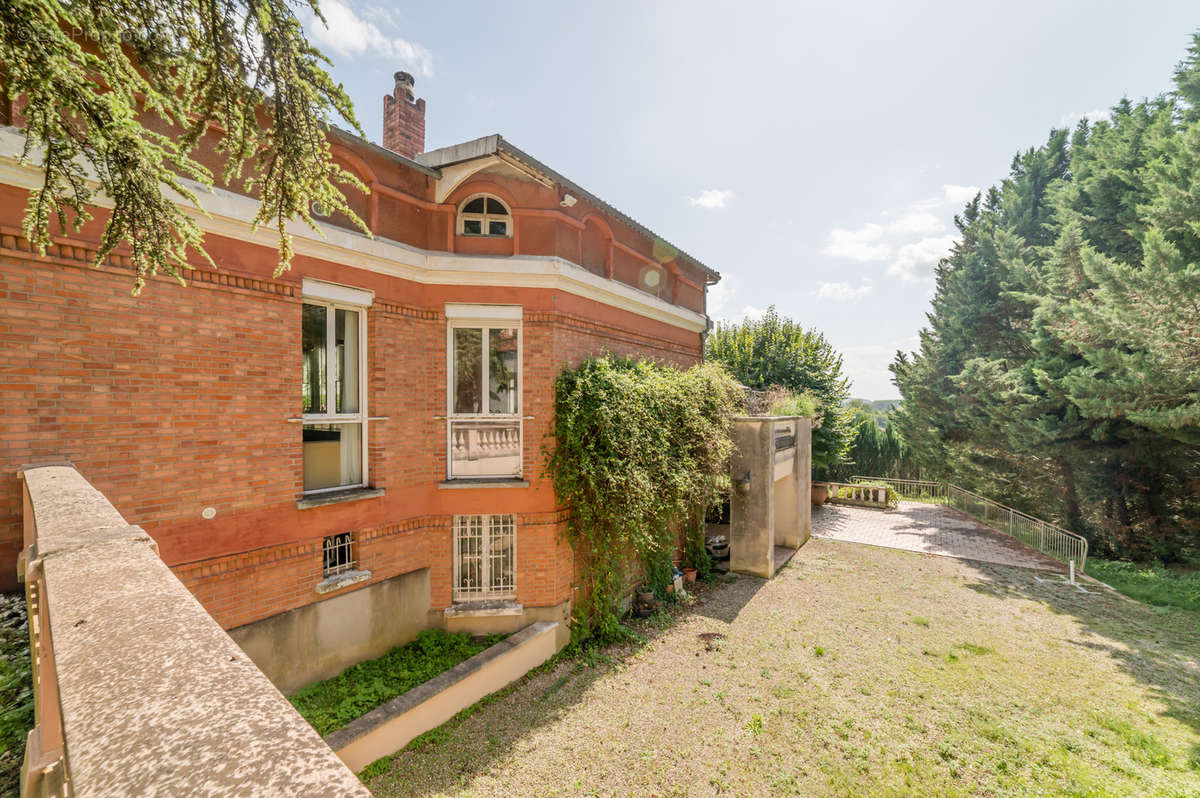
pixel 1047 538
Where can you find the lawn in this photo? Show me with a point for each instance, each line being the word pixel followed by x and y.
pixel 856 671
pixel 1152 584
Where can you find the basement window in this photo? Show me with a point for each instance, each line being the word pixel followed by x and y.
pixel 485 557
pixel 338 555
pixel 484 215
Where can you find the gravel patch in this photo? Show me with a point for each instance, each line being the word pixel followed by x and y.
pixel 856 671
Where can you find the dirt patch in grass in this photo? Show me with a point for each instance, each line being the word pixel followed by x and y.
pixel 856 671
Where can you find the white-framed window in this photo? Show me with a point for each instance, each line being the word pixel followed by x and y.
pixel 337 554
pixel 334 390
pixel 485 557
pixel 483 391
pixel 484 215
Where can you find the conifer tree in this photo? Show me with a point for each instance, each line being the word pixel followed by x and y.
pixel 122 98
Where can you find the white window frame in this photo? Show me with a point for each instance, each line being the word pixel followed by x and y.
pixel 485 318
pixel 485 217
pixel 484 594
pixel 333 298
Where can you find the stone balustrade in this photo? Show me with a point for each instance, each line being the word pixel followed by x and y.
pixel 137 691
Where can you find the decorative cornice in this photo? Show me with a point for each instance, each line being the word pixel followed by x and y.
pixel 228 214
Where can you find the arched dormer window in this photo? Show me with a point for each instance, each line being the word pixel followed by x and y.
pixel 484 215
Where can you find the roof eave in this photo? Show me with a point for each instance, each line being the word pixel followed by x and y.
pixel 496 144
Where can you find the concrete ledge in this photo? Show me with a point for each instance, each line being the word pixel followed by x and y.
pixel 386 729
pixel 338 497
pixel 489 482
pixel 334 583
pixel 483 609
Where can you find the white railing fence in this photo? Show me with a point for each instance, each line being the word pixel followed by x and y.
pixel 1047 538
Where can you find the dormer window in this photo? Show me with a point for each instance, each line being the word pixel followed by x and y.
pixel 484 216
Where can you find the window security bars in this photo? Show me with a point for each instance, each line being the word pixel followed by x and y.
pixel 338 554
pixel 485 561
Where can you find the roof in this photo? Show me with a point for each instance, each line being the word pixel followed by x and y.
pixel 496 144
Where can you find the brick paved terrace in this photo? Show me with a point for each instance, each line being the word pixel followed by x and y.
pixel 927 528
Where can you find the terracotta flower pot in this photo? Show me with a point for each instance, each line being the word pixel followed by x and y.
pixel 689 576
pixel 820 493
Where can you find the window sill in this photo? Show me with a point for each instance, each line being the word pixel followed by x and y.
pixel 342 580
pixel 482 609
pixel 337 497
pixel 486 482
pixel 480 235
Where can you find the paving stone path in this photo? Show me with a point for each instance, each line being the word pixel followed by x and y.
pixel 928 528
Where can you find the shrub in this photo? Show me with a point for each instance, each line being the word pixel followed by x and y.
pixel 641 450
pixel 795 404
pixel 333 703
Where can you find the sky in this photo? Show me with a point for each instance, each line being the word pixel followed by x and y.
pixel 813 153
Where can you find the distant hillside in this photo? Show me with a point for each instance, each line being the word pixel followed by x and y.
pixel 879 405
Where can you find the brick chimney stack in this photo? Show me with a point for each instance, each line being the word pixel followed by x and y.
pixel 404 119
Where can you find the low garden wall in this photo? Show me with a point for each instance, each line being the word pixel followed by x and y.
pixel 137 690
pixel 388 728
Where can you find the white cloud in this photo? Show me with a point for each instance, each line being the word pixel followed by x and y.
pixel 915 262
pixel 350 35
pixel 959 195
pixel 750 312
pixel 722 298
pixel 1072 119
pixel 917 223
pixel 867 367
pixel 862 244
pixel 719 295
pixel 711 198
pixel 844 292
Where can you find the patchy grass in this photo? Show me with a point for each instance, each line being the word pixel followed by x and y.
pixel 333 703
pixel 1027 688
pixel 1152 584
pixel 16 690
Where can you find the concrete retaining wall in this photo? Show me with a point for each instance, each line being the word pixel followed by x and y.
pixel 388 728
pixel 319 641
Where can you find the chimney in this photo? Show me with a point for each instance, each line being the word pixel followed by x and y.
pixel 404 119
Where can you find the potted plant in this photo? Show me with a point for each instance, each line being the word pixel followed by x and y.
pixel 689 576
pixel 643 602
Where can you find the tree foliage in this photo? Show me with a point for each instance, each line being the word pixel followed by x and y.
pixel 124 99
pixel 1061 367
pixel 876 449
pixel 641 451
pixel 776 352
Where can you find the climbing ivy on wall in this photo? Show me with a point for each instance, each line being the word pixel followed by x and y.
pixel 641 450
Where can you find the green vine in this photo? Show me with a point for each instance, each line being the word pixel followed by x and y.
pixel 640 451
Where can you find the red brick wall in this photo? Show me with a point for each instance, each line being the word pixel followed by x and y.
pixel 179 400
pixel 403 124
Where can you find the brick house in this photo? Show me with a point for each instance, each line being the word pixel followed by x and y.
pixel 336 458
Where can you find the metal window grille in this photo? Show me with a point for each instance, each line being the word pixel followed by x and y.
pixel 338 554
pixel 485 557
